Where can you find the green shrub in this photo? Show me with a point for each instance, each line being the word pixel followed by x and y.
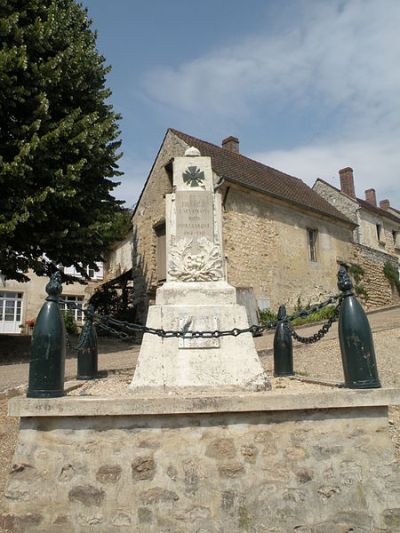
pixel 323 314
pixel 392 274
pixel 357 273
pixel 70 324
pixel 266 315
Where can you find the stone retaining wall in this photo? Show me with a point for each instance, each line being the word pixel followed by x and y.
pixel 380 292
pixel 312 470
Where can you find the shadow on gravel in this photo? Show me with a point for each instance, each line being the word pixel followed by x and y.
pixel 16 349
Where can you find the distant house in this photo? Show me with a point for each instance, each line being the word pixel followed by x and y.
pixel 282 240
pixel 20 303
pixel 376 237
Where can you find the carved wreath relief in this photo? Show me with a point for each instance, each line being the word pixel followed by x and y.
pixel 205 265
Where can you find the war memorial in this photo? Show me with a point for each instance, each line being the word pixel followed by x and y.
pixel 200 441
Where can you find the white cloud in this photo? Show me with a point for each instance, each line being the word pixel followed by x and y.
pixel 341 53
pixel 336 59
pixel 374 165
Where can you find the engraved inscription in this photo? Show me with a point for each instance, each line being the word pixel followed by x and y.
pixel 194 215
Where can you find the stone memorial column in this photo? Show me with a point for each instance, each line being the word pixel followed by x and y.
pixel 196 297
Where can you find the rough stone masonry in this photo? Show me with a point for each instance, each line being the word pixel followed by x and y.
pixel 260 462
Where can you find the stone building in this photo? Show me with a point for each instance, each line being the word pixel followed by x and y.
pixel 282 241
pixel 376 237
pixel 20 303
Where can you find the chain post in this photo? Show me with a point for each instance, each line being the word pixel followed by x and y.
pixel 283 346
pixel 355 337
pixel 87 348
pixel 47 364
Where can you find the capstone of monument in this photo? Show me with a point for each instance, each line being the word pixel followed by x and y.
pixel 196 297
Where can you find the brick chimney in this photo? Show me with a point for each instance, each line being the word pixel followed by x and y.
pixel 347 181
pixel 370 196
pixel 384 204
pixel 231 144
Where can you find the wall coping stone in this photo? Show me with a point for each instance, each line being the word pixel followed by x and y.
pixel 136 405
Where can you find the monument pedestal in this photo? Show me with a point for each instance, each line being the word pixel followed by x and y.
pixel 193 364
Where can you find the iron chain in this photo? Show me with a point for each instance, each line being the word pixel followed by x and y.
pixel 127 330
pixel 321 332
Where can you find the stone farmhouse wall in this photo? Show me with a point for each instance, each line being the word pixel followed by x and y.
pixel 369 236
pixel 368 251
pixel 342 202
pixel 34 294
pixel 266 245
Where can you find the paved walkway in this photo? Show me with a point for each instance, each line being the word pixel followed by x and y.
pixel 118 355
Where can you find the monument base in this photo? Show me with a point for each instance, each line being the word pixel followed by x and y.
pixel 272 462
pixel 198 364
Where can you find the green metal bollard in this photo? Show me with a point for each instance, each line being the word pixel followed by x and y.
pixel 87 353
pixel 355 337
pixel 283 347
pixel 47 364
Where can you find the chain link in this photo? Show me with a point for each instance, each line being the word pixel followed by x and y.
pixel 320 334
pixel 127 330
pixel 314 308
pixel 107 323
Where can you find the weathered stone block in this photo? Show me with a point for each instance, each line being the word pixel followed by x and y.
pixel 108 473
pixel 221 449
pixel 157 495
pixel 145 516
pixel 231 470
pixel 88 495
pixel 143 468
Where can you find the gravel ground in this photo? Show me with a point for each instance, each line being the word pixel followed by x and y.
pixel 116 385
pixel 8 440
pixel 321 360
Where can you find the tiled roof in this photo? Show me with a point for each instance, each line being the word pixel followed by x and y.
pixel 249 173
pixel 366 205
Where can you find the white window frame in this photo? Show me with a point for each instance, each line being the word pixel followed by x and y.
pixel 74 300
pixel 17 299
pixel 95 275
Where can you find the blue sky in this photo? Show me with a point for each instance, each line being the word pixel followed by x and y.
pixel 309 86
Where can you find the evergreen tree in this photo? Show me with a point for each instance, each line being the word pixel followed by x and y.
pixel 58 139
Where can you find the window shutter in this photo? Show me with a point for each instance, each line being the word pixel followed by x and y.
pixel 100 273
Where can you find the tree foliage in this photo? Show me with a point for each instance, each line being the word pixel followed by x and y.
pixel 58 139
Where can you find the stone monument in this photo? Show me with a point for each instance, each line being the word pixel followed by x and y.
pixel 196 297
